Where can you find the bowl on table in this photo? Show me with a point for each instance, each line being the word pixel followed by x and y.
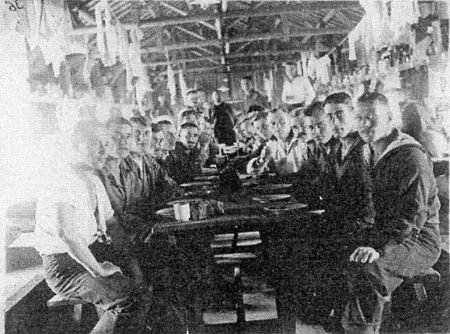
pixel 210 171
pixel 279 208
pixel 208 178
pixel 167 212
pixel 272 198
pixel 230 149
pixel 198 185
pixel 272 188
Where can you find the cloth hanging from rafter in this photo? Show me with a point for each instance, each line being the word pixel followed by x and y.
pixel 299 68
pixel 111 35
pixel 323 69
pixel 101 48
pixel 183 85
pixel 52 24
pixel 312 66
pixel 171 85
pixel 304 56
pixel 268 85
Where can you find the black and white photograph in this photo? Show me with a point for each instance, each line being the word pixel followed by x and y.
pixel 224 166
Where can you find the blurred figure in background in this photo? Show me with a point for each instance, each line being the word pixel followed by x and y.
pixel 223 119
pixel 162 107
pixel 252 97
pixel 418 124
pixel 297 90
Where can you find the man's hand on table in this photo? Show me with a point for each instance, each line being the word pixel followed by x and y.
pixel 364 255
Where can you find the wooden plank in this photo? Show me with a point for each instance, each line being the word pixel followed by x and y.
pixel 19 283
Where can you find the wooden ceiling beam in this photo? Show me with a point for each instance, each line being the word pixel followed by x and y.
pixel 313 5
pixel 243 39
pixel 324 21
pixel 232 56
pixel 190 33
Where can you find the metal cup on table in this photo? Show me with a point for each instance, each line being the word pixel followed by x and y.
pixel 182 211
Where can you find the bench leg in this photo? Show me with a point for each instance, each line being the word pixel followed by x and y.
pixel 240 307
pixel 77 310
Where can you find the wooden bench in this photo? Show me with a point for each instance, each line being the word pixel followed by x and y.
pixel 418 282
pixel 236 261
pixel 58 300
pixel 19 283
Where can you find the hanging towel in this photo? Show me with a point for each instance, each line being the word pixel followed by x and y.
pixel 171 85
pixel 183 85
pixel 312 66
pixel 323 69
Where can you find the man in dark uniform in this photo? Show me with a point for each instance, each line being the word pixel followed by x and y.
pixel 405 239
pixel 223 119
pixel 347 198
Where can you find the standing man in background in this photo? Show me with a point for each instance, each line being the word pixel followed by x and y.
pixel 252 96
pixel 297 90
pixel 162 107
pixel 223 119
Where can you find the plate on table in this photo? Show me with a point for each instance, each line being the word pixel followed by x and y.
pixel 229 149
pixel 196 184
pixel 272 198
pixel 167 212
pixel 271 188
pixel 280 208
pixel 316 212
pixel 210 171
pixel 207 178
pixel 197 193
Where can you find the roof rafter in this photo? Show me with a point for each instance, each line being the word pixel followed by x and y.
pixel 252 38
pixel 231 56
pixel 305 6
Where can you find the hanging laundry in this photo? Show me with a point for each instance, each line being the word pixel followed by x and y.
pixel 352 37
pixel 268 85
pixel 54 26
pixel 403 13
pixel 171 85
pixel 323 69
pixel 183 86
pixel 101 48
pixel 299 68
pixel 304 57
pixel 111 36
pixel 312 66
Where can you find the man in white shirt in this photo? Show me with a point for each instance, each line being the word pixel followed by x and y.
pixel 72 217
pixel 297 90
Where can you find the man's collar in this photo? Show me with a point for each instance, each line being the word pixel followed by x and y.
pixel 290 80
pixel 128 164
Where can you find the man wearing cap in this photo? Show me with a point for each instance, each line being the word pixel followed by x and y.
pixel 297 90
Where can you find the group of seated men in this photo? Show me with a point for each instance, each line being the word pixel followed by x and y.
pixel 375 184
